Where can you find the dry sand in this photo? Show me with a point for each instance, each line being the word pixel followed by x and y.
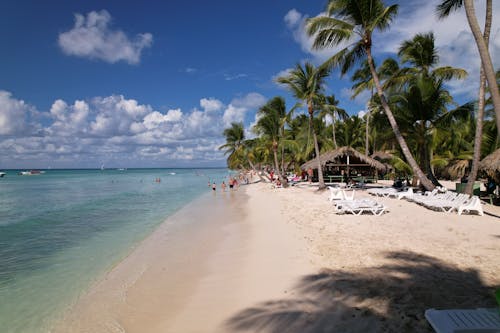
pixel 282 260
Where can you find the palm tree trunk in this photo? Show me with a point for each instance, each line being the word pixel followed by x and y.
pixel 424 181
pixel 489 71
pixel 469 188
pixel 367 145
pixel 276 165
pixel 321 181
pixel 333 131
pixel 255 170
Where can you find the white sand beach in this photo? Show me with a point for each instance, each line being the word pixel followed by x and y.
pixel 282 260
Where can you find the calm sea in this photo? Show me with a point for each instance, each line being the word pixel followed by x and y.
pixel 62 230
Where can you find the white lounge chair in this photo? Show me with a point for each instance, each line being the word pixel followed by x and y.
pixel 383 192
pixel 347 196
pixel 474 204
pixel 358 207
pixel 464 321
pixel 335 193
pixel 405 194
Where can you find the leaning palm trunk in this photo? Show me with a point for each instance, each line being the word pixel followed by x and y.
pixel 255 170
pixel 485 59
pixel 469 188
pixel 424 181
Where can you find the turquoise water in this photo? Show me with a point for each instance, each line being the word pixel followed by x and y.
pixel 61 230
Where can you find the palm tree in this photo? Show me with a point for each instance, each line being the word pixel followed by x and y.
pixel 422 112
pixel 421 54
pixel 270 125
pixel 306 83
pixel 443 10
pixel 329 106
pixel 350 132
pixel 236 147
pixel 361 18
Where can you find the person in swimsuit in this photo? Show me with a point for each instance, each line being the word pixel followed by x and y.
pixel 214 187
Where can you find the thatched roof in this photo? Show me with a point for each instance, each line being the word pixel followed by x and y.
pixel 382 156
pixel 340 152
pixel 491 165
pixel 457 169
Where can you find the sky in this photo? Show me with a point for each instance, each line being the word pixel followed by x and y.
pixel 154 83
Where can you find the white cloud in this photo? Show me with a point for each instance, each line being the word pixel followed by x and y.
pixel 293 18
pixel 14 115
pixel 211 104
pixel 239 107
pixel 233 114
pixel 91 37
pixel 249 101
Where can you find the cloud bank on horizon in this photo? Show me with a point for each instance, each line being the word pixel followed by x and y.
pixel 116 131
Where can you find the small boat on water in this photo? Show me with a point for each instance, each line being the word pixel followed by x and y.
pixel 31 173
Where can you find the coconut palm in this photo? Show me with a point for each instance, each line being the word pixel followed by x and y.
pixel 306 84
pixel 422 112
pixel 349 18
pixel 421 54
pixel 329 106
pixel 448 6
pixel 237 148
pixel 350 132
pixel 269 125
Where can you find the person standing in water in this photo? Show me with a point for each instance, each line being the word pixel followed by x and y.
pixel 214 187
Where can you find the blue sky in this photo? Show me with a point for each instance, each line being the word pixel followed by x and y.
pixel 153 84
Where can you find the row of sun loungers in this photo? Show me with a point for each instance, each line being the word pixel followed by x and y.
pixel 439 199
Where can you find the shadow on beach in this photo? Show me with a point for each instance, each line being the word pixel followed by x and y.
pixel 389 298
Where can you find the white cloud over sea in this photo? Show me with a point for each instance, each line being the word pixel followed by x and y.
pixel 116 131
pixel 455 43
pixel 92 37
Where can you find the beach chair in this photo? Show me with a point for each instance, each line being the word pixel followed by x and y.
pixel 335 193
pixel 405 194
pixel 346 196
pixel 358 207
pixel 474 204
pixel 464 321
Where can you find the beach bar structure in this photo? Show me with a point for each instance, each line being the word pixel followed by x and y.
pixel 346 162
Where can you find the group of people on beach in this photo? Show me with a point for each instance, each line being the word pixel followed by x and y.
pixel 233 184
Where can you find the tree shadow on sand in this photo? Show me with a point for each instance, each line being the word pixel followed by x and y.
pixel 389 298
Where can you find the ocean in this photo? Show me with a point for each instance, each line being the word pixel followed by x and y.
pixel 62 230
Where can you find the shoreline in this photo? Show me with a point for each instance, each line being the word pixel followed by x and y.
pixel 272 260
pixel 108 305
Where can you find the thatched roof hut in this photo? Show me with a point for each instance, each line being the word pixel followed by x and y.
pixel 344 157
pixel 491 165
